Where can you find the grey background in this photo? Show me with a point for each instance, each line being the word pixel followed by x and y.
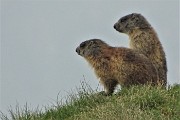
pixel 38 41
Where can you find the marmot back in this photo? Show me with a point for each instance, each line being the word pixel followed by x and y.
pixel 144 39
pixel 117 65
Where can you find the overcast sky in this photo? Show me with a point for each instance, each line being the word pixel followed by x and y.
pixel 39 38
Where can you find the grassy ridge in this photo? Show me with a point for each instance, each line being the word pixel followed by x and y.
pixel 135 103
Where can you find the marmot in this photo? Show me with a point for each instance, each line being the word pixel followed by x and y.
pixel 117 65
pixel 144 39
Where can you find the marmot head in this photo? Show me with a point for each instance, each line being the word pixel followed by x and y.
pixel 90 48
pixel 130 22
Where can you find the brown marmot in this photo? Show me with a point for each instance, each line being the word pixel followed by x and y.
pixel 144 39
pixel 117 65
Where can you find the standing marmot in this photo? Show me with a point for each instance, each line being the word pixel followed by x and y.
pixel 144 39
pixel 117 65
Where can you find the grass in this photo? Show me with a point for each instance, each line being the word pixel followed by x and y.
pixel 134 103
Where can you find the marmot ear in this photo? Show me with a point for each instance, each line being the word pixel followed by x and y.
pixel 135 15
pixel 91 43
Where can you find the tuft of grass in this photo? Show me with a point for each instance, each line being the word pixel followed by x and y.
pixel 134 103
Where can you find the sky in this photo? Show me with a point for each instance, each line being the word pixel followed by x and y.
pixel 39 38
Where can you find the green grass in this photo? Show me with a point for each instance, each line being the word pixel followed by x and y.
pixel 134 103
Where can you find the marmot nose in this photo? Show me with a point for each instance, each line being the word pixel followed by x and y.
pixel 114 26
pixel 77 50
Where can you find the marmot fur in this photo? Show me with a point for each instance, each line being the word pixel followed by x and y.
pixel 117 65
pixel 144 39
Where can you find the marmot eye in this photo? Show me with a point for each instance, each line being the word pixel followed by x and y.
pixel 82 44
pixel 123 19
